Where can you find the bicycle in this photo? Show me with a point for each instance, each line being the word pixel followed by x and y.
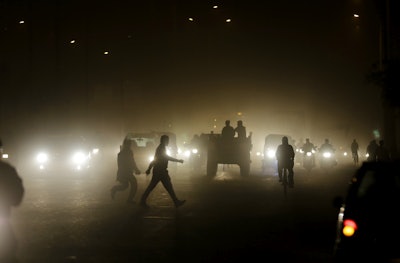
pixel 285 180
pixel 355 158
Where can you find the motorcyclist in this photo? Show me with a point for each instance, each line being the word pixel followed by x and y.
pixel 326 147
pixel 309 147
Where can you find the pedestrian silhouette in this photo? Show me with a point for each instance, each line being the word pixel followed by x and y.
pixel 160 173
pixel 285 157
pixel 11 194
pixel 228 132
pixel 371 150
pixel 240 130
pixel 382 153
pixel 126 167
pixel 354 151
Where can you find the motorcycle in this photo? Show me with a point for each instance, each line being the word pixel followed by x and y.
pixel 328 159
pixel 309 160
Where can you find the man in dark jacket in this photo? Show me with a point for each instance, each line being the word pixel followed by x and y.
pixel 285 157
pixel 126 167
pixel 11 194
pixel 160 173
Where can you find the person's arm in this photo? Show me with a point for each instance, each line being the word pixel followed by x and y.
pixel 137 171
pixel 172 159
pixel 151 165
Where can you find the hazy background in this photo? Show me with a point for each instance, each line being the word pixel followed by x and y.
pixel 293 67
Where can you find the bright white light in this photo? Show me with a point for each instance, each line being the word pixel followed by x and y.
pixel 5 156
pixel 95 151
pixel 308 153
pixel 191 19
pixel 106 53
pixel 228 20
pixel 258 153
pixel 271 154
pixel 327 155
pixel 22 22
pixel 42 158
pixel 195 151
pixel 79 158
pixel 187 153
pixel 345 153
pixel 168 152
pixel 72 41
pixel 151 158
pixel 356 15
pixel 215 7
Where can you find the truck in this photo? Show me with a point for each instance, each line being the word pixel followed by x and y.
pixel 228 151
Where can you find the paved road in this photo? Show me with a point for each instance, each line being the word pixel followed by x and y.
pixel 228 218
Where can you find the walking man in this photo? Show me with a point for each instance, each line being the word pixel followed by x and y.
pixel 160 173
pixel 126 167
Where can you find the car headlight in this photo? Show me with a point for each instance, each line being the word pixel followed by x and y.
pixel 271 154
pixel 187 153
pixel 79 158
pixel 42 158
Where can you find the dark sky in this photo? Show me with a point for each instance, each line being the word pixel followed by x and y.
pixel 295 67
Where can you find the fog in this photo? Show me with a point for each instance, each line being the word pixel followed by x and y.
pixel 293 69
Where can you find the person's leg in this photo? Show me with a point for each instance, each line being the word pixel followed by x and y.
pixel 119 187
pixel 280 172
pixel 166 181
pixel 153 183
pixel 132 192
pixel 291 176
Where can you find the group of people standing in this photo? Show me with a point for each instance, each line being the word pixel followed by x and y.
pixel 127 167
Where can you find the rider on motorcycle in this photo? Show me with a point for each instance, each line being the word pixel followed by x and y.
pixel 327 152
pixel 309 147
pixel 326 147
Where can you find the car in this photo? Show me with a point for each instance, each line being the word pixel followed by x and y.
pixel 368 223
pixel 62 152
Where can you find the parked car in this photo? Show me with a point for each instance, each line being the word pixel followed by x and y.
pixel 368 224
